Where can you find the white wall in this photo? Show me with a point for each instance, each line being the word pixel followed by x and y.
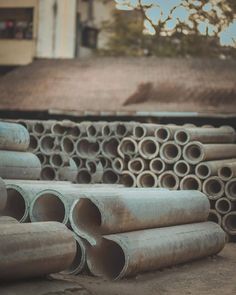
pixel 56 29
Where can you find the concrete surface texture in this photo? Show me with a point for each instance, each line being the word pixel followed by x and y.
pixel 122 84
pixel 214 275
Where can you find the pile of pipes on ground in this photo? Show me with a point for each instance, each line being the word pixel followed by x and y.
pixel 120 231
pixel 143 155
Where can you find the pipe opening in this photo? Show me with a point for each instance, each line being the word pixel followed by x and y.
pixel 86 148
pixel 193 152
pixel 147 180
pixel 109 260
pixel 149 148
pixel 190 183
pixel 139 132
pixel 214 217
pixel 16 205
pixel 91 131
pixel 213 187
pixel 121 130
pixel 168 181
pixel 223 206
pixel 48 173
pixel 57 160
pixel 110 176
pixel 225 173
pixel 75 131
pixel 203 171
pixel 47 143
pixel 182 137
pixel 127 180
pixel 110 147
pixel 230 222
pixel 33 146
pixel 78 161
pixel 182 168
pixel 58 129
pixel 38 128
pixel 157 166
pixel 231 189
pixel 170 151
pixel 127 147
pixel 106 130
pixel 162 134
pixel 48 207
pixel 83 176
pixel 68 145
pixel 91 166
pixel 86 217
pixel 117 165
pixel 136 166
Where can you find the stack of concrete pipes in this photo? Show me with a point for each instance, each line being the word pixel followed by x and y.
pixel 143 155
pixel 121 231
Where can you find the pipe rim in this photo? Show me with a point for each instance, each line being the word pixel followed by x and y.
pixel 135 162
pixel 230 189
pixel 225 173
pixel 193 152
pixel 162 133
pixel 109 147
pixel 169 174
pixel 214 216
pixel 215 183
pixel 203 170
pixel 128 179
pixel 156 168
pixel 227 219
pixel 68 145
pixel 179 170
pixel 144 175
pixel 182 136
pixel 139 132
pixel 148 148
pixel 190 182
pixel 167 155
pixel 219 207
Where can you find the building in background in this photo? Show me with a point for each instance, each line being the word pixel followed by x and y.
pixel 51 28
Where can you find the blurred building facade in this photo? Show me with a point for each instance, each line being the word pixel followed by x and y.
pixel 51 28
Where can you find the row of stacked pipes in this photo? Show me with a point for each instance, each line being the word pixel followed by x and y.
pixel 122 225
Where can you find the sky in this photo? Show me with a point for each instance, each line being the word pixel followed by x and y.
pixel 155 13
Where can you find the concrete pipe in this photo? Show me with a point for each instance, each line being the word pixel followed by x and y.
pixel 137 165
pixel 67 145
pixel 106 163
pixel 58 160
pixel 49 144
pixel 7 220
pixel 96 169
pixel 14 137
pixel 214 216
pixel 37 256
pixel 39 128
pixel 191 182
pixel 34 143
pixel 109 147
pixel 48 173
pixel 94 129
pixel 205 135
pixel 128 179
pixel 126 254
pixel 75 131
pixel 148 148
pixel 52 205
pixel 170 152
pixel 229 223
pixel 79 263
pixel 146 209
pixel 15 165
pixel 147 179
pixel 118 165
pixel 213 186
pixel 87 148
pixel 80 163
pixel 123 129
pixel 195 152
pixel 163 134
pixel 110 177
pixel 107 130
pixel 230 189
pixel 169 180
pixel 3 195
pixel 84 176
pixel 227 172
pixel 158 166
pixel 210 168
pixel 60 128
pixel 67 173
pixel 182 168
pixel 128 148
pixel 143 130
pixel 44 160
pixel 224 206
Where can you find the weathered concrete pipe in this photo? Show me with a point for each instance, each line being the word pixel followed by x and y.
pixel 49 144
pixel 122 255
pixel 128 148
pixel 58 160
pixel 84 176
pixel 158 166
pixel 170 152
pixel 227 172
pixel 3 195
pixel 128 179
pixel 136 209
pixel 224 206
pixel 229 223
pixel 213 186
pixel 195 152
pixel 96 169
pixel 191 182
pixel 48 173
pixel 230 189
pixel 19 165
pixel 87 148
pixel 110 176
pixel 223 134
pixel 14 137
pixel 210 168
pixel 109 147
pixel 214 216
pixel 169 180
pixel 137 165
pixel 148 148
pixel 68 145
pixel 147 179
pixel 68 172
pixel 44 159
pixel 37 243
pixel 118 165
pixel 182 168
pixel 143 130
pixel 34 143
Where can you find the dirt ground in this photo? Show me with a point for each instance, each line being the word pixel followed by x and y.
pixel 211 276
